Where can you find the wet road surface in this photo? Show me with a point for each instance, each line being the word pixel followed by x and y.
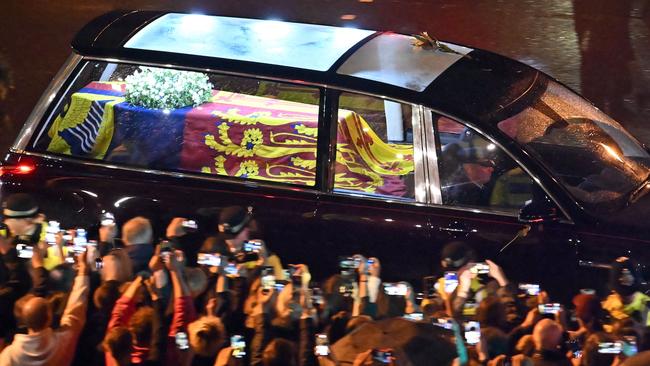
pixel 600 48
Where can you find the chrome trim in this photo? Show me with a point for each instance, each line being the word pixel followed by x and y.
pixel 44 102
pixel 418 159
pixel 523 166
pixel 248 183
pixel 431 153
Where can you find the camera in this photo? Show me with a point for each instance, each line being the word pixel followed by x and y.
pixel 322 345
pixel 395 289
pixel 553 308
pixel 472 332
pixel 238 345
pixel 182 343
pixel 529 289
pixel 25 251
pixel 209 259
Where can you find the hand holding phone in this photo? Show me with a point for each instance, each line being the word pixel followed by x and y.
pixel 472 332
pixel 322 347
pixel 550 308
pixel 384 356
pixel 451 282
pixel 238 345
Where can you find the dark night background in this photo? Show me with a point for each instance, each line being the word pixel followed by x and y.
pixel 600 48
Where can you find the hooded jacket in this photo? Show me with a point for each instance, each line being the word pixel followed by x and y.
pixel 52 346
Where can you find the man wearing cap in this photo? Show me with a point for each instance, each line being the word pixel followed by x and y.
pixel 25 226
pixel 626 300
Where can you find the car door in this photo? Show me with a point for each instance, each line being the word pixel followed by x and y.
pixel 477 192
pixel 375 204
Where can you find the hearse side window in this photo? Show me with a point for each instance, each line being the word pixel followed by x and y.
pixel 195 122
pixel 374 148
pixel 474 172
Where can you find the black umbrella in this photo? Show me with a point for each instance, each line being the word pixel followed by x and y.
pixel 416 344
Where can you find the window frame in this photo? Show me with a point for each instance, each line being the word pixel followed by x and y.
pixel 417 122
pixel 434 150
pixel 42 121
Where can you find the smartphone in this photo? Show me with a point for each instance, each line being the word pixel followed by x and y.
pixel 252 246
pixel 165 250
pixel 395 289
pixel 552 308
pixel 209 259
pixel 25 251
pixel 279 286
pixel 80 237
pixel 472 332
pixel 451 282
pixel 629 347
pixel 382 356
pixel 70 257
pixel 107 219
pixel 231 269
pixel 190 225
pixel 480 268
pixel 445 323
pixel 416 317
pixel 610 348
pixel 99 263
pixel 529 289
pixel 53 228
pixel 182 343
pixel 267 279
pixel 322 345
pixel 238 345
pixel 429 286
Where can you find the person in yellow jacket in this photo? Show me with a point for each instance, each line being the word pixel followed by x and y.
pixel 626 299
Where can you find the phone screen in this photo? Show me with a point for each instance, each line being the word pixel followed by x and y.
pixel 451 282
pixel 181 341
pixel 25 251
pixel 445 323
pixel 252 246
pixel 552 308
pixel 629 347
pixel 209 259
pixel 190 224
pixel 382 356
pixel 480 268
pixel 395 289
pixel 529 289
pixel 238 345
pixel 416 317
pixel 231 269
pixel 107 219
pixel 322 345
pixel 472 332
pixel 610 348
pixel 53 227
pixel 268 279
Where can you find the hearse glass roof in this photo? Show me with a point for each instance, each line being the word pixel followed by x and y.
pixel 305 46
pixel 392 59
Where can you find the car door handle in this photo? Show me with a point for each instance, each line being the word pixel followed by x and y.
pixel 457 227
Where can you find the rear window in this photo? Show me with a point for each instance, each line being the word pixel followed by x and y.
pixel 175 120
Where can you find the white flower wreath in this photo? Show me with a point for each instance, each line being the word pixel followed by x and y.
pixel 156 88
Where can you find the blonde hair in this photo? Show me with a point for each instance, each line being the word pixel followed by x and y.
pixel 206 335
pixel 137 231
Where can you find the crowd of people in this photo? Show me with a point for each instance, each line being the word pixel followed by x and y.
pixel 227 299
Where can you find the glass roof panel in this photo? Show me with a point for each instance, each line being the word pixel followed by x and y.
pixel 306 46
pixel 392 59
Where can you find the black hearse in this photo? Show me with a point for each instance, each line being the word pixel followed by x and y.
pixel 342 140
